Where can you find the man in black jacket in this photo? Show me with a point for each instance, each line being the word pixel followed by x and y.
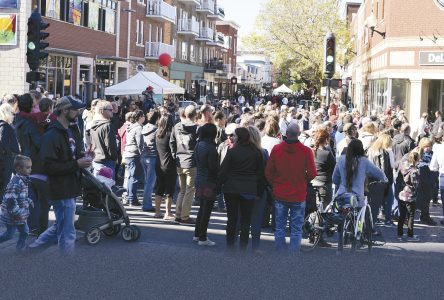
pixel 103 138
pixel 182 142
pixel 61 158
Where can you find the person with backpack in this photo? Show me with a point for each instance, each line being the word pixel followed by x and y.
pixel 408 194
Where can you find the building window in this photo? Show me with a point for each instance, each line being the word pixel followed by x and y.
pixel 192 54
pixel 139 33
pixel 95 14
pixel 184 48
pixel 58 75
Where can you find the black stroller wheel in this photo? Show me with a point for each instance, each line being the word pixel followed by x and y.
pixel 130 233
pixel 136 232
pixel 111 231
pixel 93 236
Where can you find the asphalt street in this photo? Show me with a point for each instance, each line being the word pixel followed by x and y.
pixel 166 264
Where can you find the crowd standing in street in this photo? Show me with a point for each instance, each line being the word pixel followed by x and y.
pixel 258 158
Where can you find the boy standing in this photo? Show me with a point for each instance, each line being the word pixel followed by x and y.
pixel 15 205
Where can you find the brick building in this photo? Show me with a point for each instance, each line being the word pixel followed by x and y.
pixel 98 43
pixel 403 64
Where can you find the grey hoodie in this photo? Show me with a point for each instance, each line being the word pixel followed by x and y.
pixel 149 139
pixel 182 142
pixel 134 141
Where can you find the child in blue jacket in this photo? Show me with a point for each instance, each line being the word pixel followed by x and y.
pixel 16 202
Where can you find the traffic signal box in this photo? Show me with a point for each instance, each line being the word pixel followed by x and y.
pixel 36 46
pixel 329 55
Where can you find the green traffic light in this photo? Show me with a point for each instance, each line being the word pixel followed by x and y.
pixel 31 46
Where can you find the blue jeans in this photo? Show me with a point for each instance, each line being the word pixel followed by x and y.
pixel 256 220
pixel 389 199
pixel 108 163
pixel 220 201
pixel 63 229
pixel 9 234
pixel 297 210
pixel 135 176
pixel 149 170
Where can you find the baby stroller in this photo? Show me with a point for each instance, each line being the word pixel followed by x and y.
pixel 102 212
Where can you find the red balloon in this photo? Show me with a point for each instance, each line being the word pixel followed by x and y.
pixel 165 59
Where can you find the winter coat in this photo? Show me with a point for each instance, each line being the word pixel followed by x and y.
pixel 29 139
pixel 183 140
pixel 16 202
pixel 103 141
pixel 149 140
pixel 134 141
pixel 165 160
pixel 410 175
pixel 240 170
pixel 402 144
pixel 289 169
pixel 205 155
pixel 9 147
pixel 59 154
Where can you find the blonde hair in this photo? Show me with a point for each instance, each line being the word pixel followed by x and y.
pixel 6 113
pixel 425 142
pixel 369 127
pixel 383 142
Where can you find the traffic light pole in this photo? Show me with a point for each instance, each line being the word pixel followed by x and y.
pixel 328 92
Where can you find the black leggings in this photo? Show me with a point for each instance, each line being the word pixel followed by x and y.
pixel 406 210
pixel 236 205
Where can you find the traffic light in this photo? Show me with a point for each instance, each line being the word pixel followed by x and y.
pixel 329 55
pixel 35 45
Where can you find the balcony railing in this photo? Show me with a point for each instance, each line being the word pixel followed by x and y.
pixel 206 33
pixel 220 39
pixel 219 13
pixel 214 65
pixel 154 49
pixel 188 26
pixel 207 6
pixel 196 2
pixel 160 10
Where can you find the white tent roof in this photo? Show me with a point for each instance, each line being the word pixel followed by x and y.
pixel 282 89
pixel 139 82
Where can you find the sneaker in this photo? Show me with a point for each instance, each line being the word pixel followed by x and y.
pixel 195 238
pixel 414 238
pixel 189 221
pixel 207 242
pixel 324 244
pixel 177 220
pixel 135 204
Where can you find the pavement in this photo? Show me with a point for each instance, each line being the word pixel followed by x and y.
pixel 166 264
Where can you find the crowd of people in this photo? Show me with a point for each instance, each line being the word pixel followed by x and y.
pixel 259 161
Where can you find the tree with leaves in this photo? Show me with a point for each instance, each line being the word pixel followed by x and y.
pixel 292 33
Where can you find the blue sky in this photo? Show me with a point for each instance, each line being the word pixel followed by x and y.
pixel 243 12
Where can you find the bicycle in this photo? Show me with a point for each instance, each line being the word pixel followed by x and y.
pixel 357 229
pixel 319 222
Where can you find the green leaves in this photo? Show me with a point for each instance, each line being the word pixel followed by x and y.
pixel 292 32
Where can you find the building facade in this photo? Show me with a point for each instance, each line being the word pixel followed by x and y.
pixel 98 43
pixel 254 70
pixel 403 64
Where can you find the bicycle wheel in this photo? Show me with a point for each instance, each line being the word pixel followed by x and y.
pixel 311 231
pixel 348 235
pixel 367 231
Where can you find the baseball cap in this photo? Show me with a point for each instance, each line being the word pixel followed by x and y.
pixel 68 102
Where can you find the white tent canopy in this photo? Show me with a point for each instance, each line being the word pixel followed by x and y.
pixel 282 89
pixel 139 82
